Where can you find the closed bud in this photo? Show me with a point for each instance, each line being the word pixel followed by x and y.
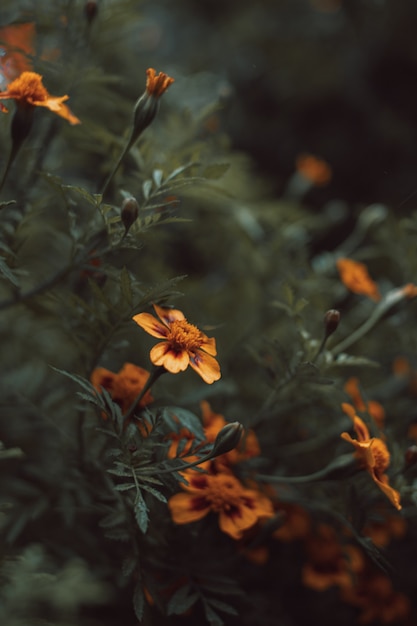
pixel 129 213
pixel 227 439
pixel 91 10
pixel 331 321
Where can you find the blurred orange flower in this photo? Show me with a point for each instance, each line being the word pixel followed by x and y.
pixel 355 277
pixel 124 386
pixel 329 563
pixel 183 345
pixel 16 46
pixel 315 170
pixel 373 453
pixel 378 601
pixel 27 90
pixel 157 84
pixel 238 508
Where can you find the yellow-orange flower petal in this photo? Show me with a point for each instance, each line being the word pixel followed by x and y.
pixel 355 277
pixel 157 84
pixel 28 90
pixel 123 386
pixel 373 453
pixel 184 344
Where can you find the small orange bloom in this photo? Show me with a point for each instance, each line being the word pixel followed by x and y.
pixel 183 345
pixel 296 524
pixel 373 453
pixel 28 90
pixel 383 531
pixel 410 290
pixel 124 386
pixel 315 170
pixel 157 84
pixel 378 600
pixel 239 508
pixel 355 277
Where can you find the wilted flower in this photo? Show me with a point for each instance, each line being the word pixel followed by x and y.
pixel 184 344
pixel 373 454
pixel 28 91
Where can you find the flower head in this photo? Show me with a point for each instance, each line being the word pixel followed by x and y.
pixel 28 91
pixel 238 508
pixel 373 454
pixel 124 386
pixel 355 277
pixel 183 344
pixel 17 45
pixel 157 84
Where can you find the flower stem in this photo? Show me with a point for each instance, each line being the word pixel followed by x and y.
pixel 110 177
pixel 153 377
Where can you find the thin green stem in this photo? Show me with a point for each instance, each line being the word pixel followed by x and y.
pixel 112 174
pixel 153 377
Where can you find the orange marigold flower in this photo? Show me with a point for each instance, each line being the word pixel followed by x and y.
pixel 315 170
pixel 329 563
pixel 183 345
pixel 28 90
pixel 373 453
pixel 355 277
pixel 124 386
pixel 409 290
pixel 157 84
pixel 238 508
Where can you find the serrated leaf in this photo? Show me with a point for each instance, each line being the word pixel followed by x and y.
pixel 8 273
pixel 177 418
pixel 348 360
pixel 112 520
pixel 215 171
pixel 91 199
pixel 157 494
pixel 99 295
pixel 124 486
pixel 126 286
pixel 181 601
pixel 141 512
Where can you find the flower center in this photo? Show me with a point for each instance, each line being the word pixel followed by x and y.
pixel 184 336
pixel 223 492
pixel 28 87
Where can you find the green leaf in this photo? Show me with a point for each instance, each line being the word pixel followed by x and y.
pixel 125 486
pixel 139 601
pixel 8 273
pixel 222 606
pixel 215 171
pixel 83 382
pixel 157 177
pixel 212 617
pixel 181 601
pixel 157 494
pixel 141 512
pixel 180 170
pixel 146 189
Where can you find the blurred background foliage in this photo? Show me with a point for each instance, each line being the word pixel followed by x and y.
pixel 242 241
